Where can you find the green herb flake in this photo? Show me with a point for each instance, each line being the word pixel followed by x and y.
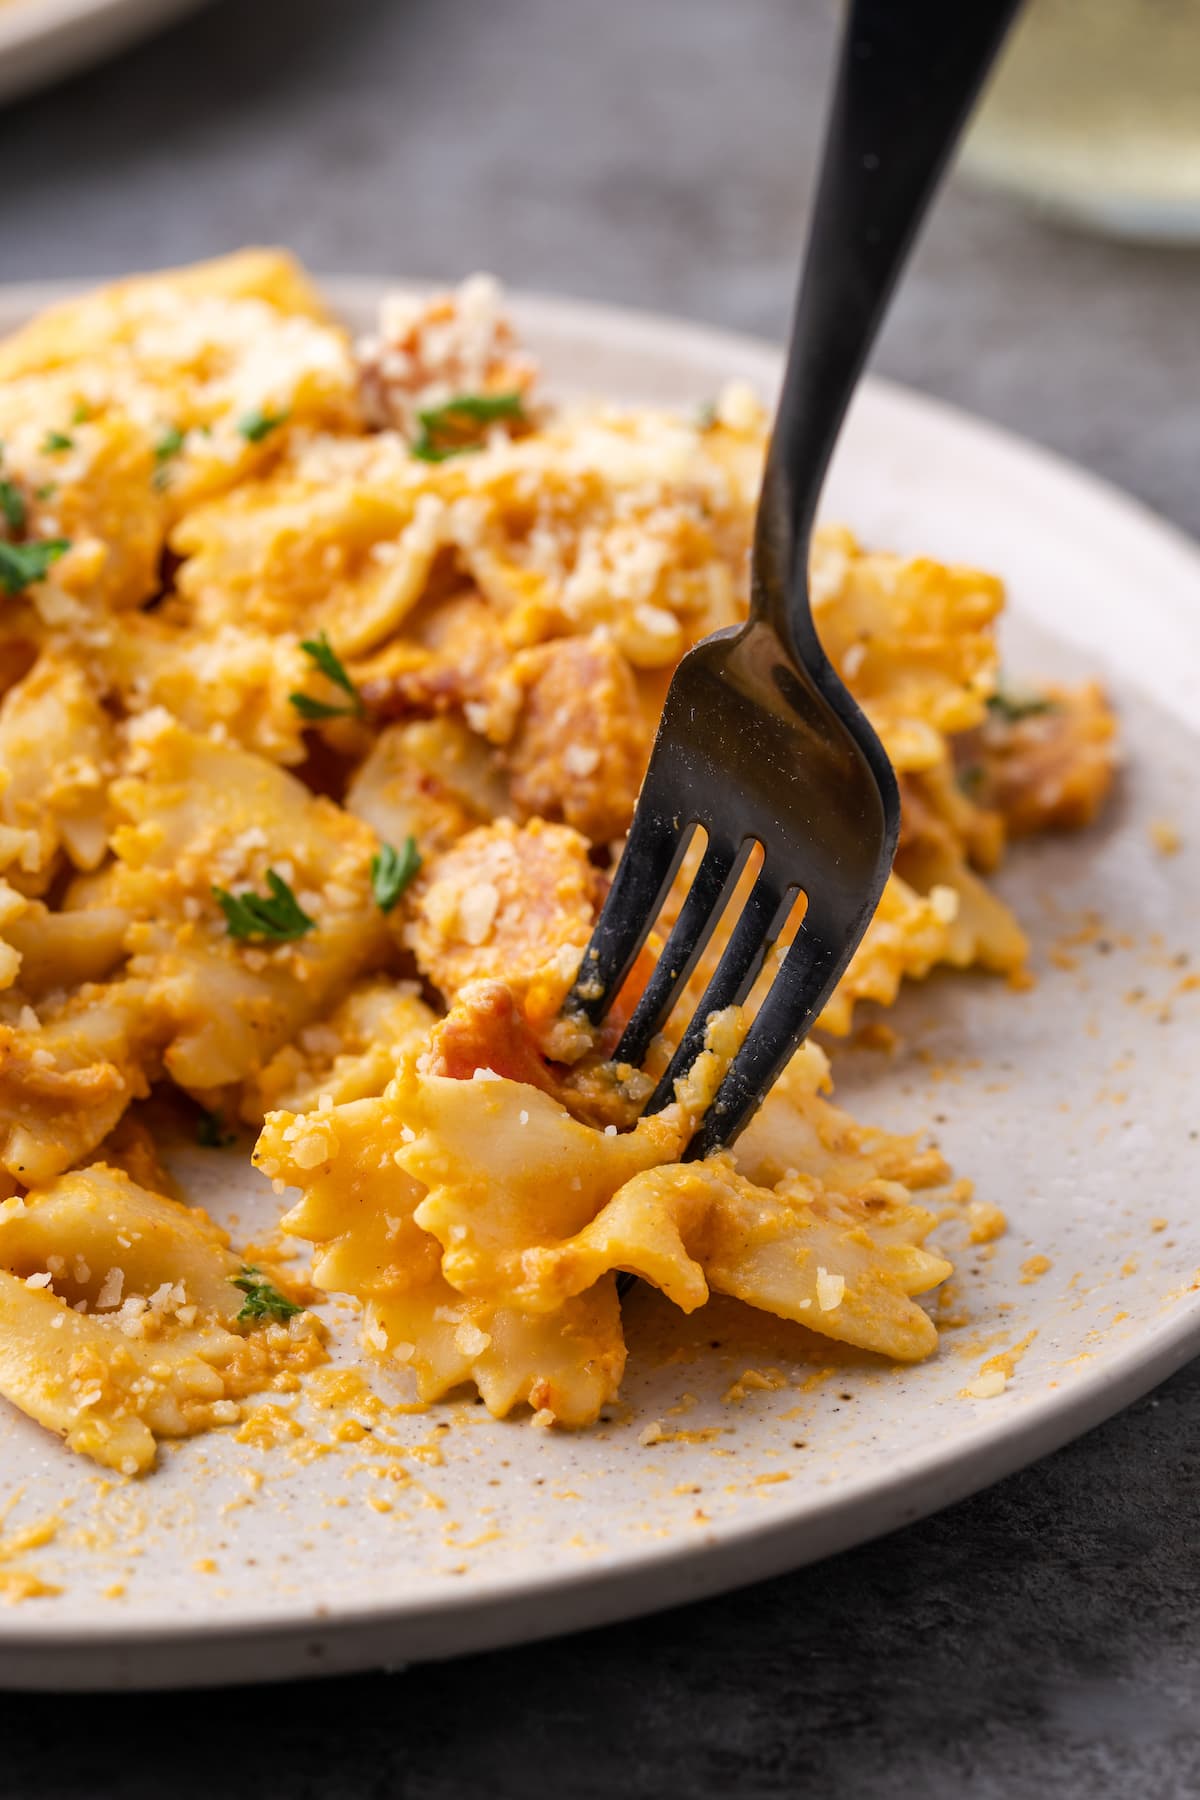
pixel 82 414
pixel 308 708
pixel 391 872
pixel 21 564
pixel 54 441
pixel 277 916
pixel 255 426
pixel 167 448
pixel 169 444
pixel 211 1133
pixel 321 653
pixel 12 505
pixel 47 491
pixel 440 423
pixel 1013 707
pixel 262 1300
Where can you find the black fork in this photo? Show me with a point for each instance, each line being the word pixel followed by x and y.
pixel 760 743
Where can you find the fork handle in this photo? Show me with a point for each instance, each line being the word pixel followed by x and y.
pixel 908 73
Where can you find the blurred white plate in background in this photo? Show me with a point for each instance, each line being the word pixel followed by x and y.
pixel 44 40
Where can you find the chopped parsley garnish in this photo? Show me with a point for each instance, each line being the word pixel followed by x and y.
pixel 255 426
pixel 82 414
pixel 168 446
pixel 308 708
pixel 321 653
pixel 391 872
pixel 276 916
pixel 21 564
pixel 1014 707
pixel 55 441
pixel 47 491
pixel 211 1133
pixel 442 427
pixel 262 1300
pixel 12 505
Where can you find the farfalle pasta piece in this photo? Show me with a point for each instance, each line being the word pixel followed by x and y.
pixel 120 1322
pixel 67 1074
pixel 566 1365
pixel 358 1209
pixel 81 1380
pixel 351 1055
pixel 217 365
pixel 357 1205
pixel 233 680
pixel 630 531
pixel 532 1207
pixel 92 1222
pixel 799 1127
pixel 115 316
pixel 933 910
pixel 848 1266
pixel 350 557
pixel 13 908
pixel 204 818
pixel 981 930
pixel 913 639
pixel 432 780
pixel 506 1168
pixel 928 914
pixel 56 951
pixel 909 935
pixel 57 756
pixel 82 478
pixel 473 1213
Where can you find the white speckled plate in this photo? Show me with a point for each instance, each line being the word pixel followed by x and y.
pixel 44 40
pixel 1072 1106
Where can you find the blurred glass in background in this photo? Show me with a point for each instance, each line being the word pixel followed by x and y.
pixel 1094 115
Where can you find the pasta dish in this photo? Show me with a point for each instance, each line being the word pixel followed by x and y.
pixel 328 672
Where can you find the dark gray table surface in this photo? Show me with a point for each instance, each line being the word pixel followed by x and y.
pixel 1044 1636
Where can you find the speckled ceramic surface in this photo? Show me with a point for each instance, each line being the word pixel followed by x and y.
pixel 1071 1106
pixel 44 40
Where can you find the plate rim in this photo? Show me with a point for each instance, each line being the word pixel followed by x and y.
pixel 257 1643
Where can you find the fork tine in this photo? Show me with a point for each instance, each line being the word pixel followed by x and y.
pixel 653 852
pixel 808 974
pixel 762 920
pixel 706 901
